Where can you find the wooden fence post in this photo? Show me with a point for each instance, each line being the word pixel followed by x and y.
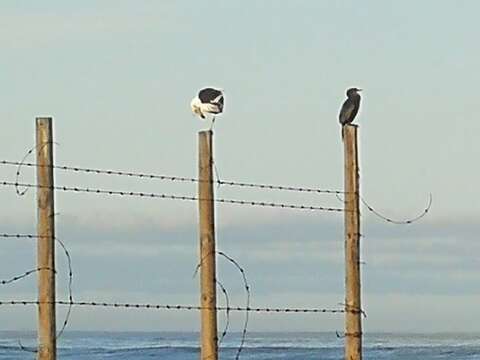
pixel 208 299
pixel 46 241
pixel 353 315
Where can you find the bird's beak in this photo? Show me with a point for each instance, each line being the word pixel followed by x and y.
pixel 359 90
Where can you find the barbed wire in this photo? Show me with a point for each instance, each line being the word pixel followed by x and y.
pixel 70 272
pixel 70 291
pixel 174 197
pixel 25 274
pixel 247 309
pixel 388 219
pixel 120 305
pixel 248 295
pixel 19 236
pixel 177 178
pixel 17 176
pixel 227 305
pixel 26 349
pixel 244 332
pixel 354 310
pixel 226 308
pixel 399 222
pixel 227 312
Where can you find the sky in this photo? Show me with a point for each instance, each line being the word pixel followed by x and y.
pixel 117 78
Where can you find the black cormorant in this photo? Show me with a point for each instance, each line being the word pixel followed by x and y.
pixel 350 107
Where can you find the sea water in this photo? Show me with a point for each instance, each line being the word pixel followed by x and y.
pixel 258 346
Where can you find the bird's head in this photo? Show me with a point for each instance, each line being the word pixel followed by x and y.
pixel 353 92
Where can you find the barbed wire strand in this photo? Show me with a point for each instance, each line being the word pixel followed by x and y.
pixel 399 222
pixel 388 219
pixel 227 300
pixel 17 176
pixel 70 291
pixel 217 175
pixel 19 236
pixel 354 310
pixel 247 305
pixel 227 312
pixel 120 305
pixel 180 178
pixel 24 348
pixel 199 265
pixel 246 287
pixel 176 197
pixel 24 275
pixel 22 162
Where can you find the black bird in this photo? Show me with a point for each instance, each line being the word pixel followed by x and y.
pixel 350 107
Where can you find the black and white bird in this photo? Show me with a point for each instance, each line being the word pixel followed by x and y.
pixel 350 107
pixel 208 101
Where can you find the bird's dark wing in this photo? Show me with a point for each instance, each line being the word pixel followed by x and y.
pixel 207 95
pixel 348 111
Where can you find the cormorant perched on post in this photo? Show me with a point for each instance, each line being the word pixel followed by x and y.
pixel 208 101
pixel 350 107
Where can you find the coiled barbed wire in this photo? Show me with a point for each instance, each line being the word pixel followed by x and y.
pixel 70 271
pixel 174 197
pixel 247 291
pixel 227 301
pixel 70 290
pixel 248 296
pixel 388 219
pixel 399 222
pixel 22 162
pixel 227 312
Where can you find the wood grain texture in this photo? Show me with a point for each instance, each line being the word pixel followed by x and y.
pixel 353 316
pixel 208 300
pixel 45 241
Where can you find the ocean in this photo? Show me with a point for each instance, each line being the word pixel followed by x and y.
pixel 259 346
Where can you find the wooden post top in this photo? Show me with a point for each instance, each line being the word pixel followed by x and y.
pixel 205 132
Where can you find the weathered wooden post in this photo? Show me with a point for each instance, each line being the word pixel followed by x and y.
pixel 46 241
pixel 208 299
pixel 353 315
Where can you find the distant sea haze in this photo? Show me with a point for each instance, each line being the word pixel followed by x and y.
pixel 259 346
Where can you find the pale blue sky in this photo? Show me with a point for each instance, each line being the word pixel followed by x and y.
pixel 118 76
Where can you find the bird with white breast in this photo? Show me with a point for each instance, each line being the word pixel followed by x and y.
pixel 208 101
